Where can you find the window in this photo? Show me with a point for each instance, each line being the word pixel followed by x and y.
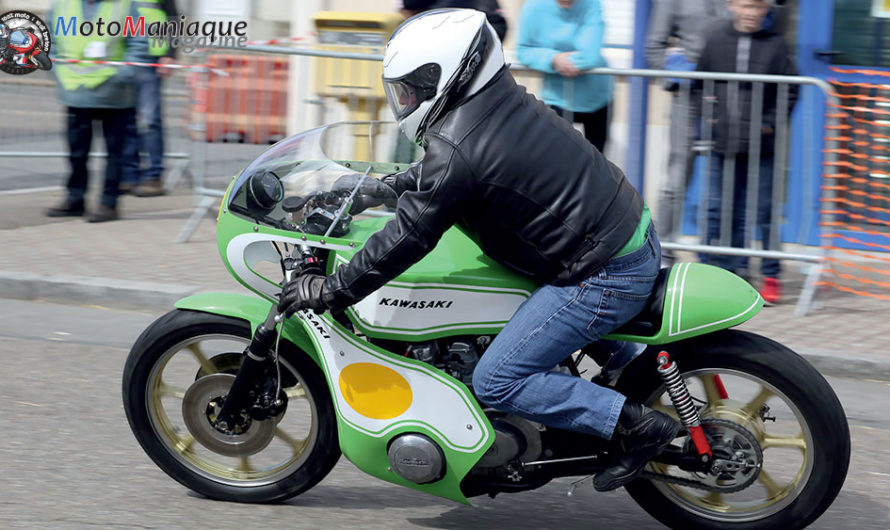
pixel 861 38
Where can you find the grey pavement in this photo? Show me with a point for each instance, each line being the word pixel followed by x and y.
pixel 134 263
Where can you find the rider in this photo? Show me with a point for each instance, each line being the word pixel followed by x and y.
pixel 536 197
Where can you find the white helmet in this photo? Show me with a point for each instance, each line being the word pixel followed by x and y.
pixel 433 60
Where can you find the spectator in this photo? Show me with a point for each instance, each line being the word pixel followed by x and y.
pixel 146 181
pixel 95 92
pixel 412 7
pixel 742 46
pixel 491 8
pixel 562 38
pixel 674 41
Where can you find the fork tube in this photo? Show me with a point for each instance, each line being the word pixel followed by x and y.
pixel 256 358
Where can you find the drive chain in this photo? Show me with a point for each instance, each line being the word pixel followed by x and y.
pixel 689 483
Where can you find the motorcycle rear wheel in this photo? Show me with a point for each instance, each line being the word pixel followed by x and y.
pixel 175 370
pixel 803 436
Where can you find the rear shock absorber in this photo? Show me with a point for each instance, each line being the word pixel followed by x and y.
pixel 682 401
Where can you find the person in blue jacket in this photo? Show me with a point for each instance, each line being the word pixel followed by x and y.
pixel 562 39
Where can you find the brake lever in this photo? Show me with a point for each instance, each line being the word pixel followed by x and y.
pixel 348 200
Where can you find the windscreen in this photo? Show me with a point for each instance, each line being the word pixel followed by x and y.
pixel 315 181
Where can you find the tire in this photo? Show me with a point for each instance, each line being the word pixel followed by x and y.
pixel 42 60
pixel 786 381
pixel 185 351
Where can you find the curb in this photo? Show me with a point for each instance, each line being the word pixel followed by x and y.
pixel 154 297
pixel 849 365
pixel 120 294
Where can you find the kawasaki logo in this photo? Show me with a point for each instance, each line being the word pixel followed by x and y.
pixel 414 462
pixel 310 316
pixel 415 304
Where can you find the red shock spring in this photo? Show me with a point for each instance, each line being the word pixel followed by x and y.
pixel 679 393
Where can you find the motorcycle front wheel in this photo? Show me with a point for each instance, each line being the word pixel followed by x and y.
pixel 761 404
pixel 42 61
pixel 175 378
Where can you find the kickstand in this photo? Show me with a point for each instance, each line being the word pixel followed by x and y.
pixel 574 485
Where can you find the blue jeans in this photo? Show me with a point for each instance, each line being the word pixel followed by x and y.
pixel 150 137
pixel 769 268
pixel 515 374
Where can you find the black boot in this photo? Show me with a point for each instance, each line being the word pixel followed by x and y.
pixel 102 214
pixel 66 208
pixel 644 434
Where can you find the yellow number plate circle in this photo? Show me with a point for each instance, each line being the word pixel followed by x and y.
pixel 375 391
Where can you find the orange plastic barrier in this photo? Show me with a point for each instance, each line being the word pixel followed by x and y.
pixel 856 189
pixel 248 105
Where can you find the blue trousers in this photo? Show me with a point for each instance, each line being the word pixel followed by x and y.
pixel 149 138
pixel 117 125
pixel 769 268
pixel 516 375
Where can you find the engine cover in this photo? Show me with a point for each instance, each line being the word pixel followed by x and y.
pixel 417 458
pixel 514 438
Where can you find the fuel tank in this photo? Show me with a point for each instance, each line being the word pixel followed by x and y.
pixel 453 290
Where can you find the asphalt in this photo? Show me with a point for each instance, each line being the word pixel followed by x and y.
pixel 135 263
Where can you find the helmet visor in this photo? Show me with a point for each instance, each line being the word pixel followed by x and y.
pixel 407 92
pixel 402 98
pixel 19 38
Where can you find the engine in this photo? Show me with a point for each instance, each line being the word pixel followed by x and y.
pixel 456 357
pixel 515 438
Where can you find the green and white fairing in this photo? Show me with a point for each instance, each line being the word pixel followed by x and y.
pixel 454 290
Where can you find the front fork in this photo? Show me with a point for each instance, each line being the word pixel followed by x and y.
pixel 257 357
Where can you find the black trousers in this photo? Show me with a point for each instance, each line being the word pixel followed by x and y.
pixel 596 124
pixel 115 124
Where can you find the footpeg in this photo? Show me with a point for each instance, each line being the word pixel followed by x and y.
pixel 574 485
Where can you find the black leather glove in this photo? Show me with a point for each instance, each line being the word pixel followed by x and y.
pixel 303 292
pixel 372 192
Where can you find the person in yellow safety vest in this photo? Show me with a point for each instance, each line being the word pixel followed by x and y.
pixel 138 180
pixel 93 91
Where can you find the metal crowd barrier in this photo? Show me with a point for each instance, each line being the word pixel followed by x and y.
pixel 239 109
pixel 252 91
pixel 703 145
pixel 229 112
pixel 34 127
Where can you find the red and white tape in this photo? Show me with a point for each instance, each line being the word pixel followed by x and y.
pixel 275 41
pixel 181 66
pixel 130 63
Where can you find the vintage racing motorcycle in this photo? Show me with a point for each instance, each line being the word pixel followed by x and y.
pixel 239 404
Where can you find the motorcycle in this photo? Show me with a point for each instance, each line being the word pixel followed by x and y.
pixel 23 51
pixel 238 403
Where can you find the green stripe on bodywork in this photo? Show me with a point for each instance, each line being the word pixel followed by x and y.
pixel 456 260
pixel 701 299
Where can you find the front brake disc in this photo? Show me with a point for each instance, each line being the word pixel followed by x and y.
pixel 200 406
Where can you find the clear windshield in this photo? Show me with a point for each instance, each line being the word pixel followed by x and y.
pixel 316 181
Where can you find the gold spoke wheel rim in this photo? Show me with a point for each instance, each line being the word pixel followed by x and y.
pixel 186 449
pixel 776 494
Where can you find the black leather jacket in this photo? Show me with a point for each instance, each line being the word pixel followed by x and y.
pixel 523 183
pixel 766 53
